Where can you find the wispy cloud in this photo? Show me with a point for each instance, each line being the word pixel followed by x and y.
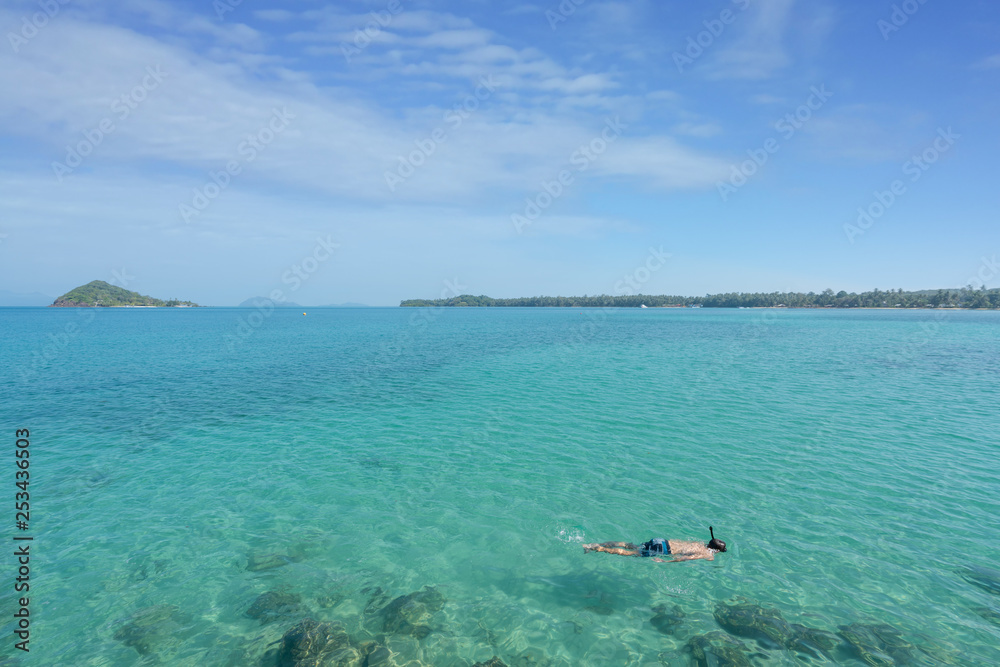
pixel 339 144
pixel 865 133
pixel 992 62
pixel 524 9
pixel 697 129
pixel 764 98
pixel 759 49
pixel 277 15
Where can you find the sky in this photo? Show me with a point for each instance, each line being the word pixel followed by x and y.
pixel 378 151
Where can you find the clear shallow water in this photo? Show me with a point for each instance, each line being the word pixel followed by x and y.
pixel 850 460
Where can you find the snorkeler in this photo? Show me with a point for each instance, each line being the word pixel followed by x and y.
pixel 679 549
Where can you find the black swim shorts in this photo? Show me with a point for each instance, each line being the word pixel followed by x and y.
pixel 655 547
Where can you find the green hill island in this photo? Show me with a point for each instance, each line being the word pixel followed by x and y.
pixel 99 294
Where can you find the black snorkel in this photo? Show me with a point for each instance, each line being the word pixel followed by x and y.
pixel 714 544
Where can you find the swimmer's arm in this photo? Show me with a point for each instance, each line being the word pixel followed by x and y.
pixel 679 559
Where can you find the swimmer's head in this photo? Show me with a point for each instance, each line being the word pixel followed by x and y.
pixel 714 544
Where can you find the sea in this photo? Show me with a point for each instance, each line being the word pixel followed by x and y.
pixel 419 484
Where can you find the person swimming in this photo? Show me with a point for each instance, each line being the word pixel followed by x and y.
pixel 681 550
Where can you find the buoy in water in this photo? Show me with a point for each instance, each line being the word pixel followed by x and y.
pixel 303 313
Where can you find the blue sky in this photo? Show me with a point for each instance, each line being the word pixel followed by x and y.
pixel 376 151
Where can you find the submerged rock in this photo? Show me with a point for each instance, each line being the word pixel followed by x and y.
pixel 257 562
pixel 599 609
pixel 878 644
pixel 767 626
pixel 144 566
pixel 812 642
pixel 719 649
pixel 311 644
pixel 409 614
pixel 147 627
pixel 346 656
pixel 492 662
pixel 746 619
pixel 377 599
pixel 984 578
pixel 604 606
pixel 667 620
pixel 275 605
pixel 380 656
pixel 989 614
pixel 531 657
pixel 326 600
pixel 98 478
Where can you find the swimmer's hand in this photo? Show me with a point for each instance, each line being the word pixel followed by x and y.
pixel 659 560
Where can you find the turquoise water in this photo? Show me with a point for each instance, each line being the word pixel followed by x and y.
pixel 849 459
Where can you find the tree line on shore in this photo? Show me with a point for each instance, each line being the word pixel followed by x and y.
pixel 942 298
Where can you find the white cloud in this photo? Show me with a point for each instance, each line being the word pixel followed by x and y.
pixel 866 133
pixel 587 83
pixel 764 98
pixel 992 62
pixel 524 9
pixel 575 226
pixel 334 20
pixel 661 162
pixel 758 51
pixel 338 143
pixel 455 39
pixel 276 15
pixel 184 26
pixel 702 130
pixel 664 96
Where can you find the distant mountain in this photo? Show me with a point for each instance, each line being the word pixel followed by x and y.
pixel 259 301
pixel 14 299
pixel 99 294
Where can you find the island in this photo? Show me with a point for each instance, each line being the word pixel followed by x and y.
pixel 99 294
pixel 966 298
pixel 263 302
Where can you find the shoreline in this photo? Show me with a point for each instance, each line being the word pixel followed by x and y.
pixel 697 308
pixel 534 307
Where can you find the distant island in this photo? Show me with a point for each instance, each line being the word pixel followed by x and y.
pixel 942 298
pixel 262 302
pixel 99 294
